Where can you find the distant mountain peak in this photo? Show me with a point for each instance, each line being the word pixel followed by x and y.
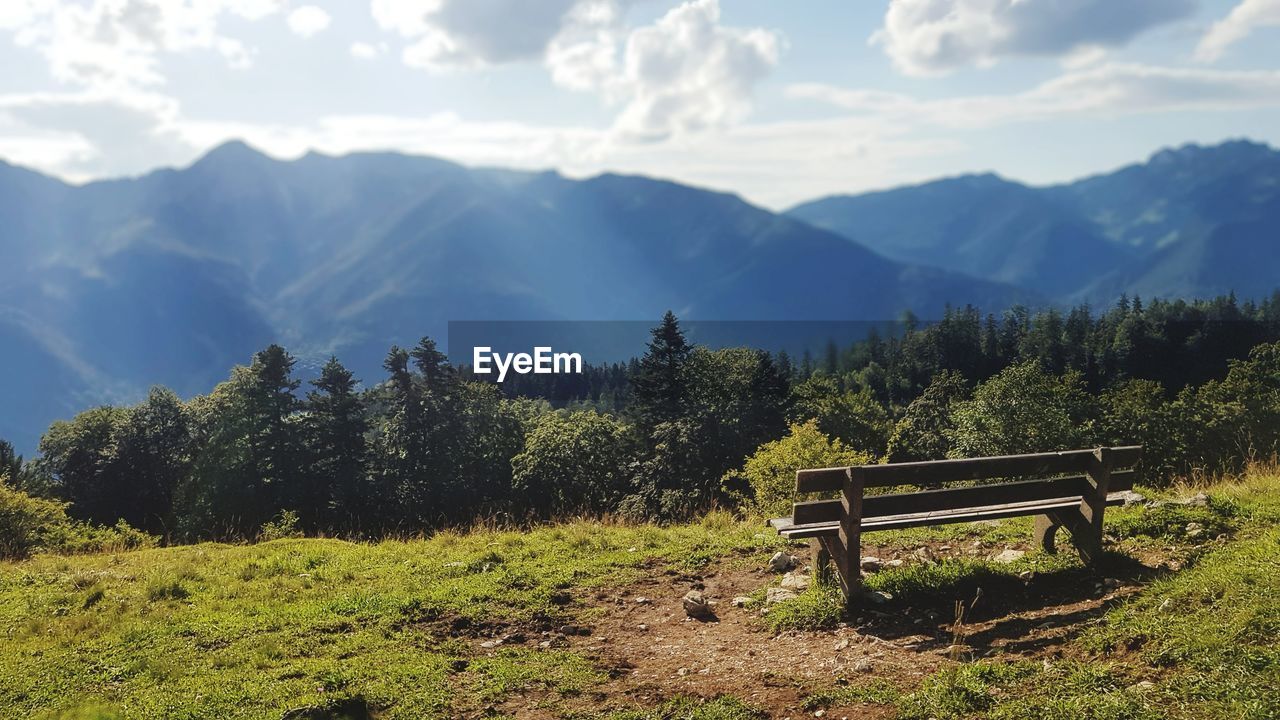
pixel 231 152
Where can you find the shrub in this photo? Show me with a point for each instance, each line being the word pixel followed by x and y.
pixel 27 523
pixel 769 474
pixel 1024 409
pixel 283 526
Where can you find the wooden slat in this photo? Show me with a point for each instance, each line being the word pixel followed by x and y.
pixel 892 522
pixel 974 497
pixel 942 471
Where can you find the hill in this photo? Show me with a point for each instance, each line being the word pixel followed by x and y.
pixel 1191 222
pixel 583 620
pixel 172 277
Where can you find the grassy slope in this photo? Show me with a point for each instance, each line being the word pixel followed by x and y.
pixel 255 631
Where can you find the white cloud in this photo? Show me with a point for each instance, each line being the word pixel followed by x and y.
pixel 1113 89
pixel 450 34
pixel 1243 19
pixel 308 20
pixel 684 73
pixel 113 44
pixel 929 37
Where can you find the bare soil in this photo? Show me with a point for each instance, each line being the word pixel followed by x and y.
pixel 653 651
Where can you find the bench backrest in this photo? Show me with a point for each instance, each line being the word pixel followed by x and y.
pixel 1035 477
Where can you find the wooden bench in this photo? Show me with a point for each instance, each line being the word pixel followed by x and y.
pixel 1068 489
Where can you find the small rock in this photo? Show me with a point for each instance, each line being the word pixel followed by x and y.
pixel 944 548
pixel 1026 575
pixel 642 627
pixel 682 672
pixel 742 601
pixel 819 713
pixel 1144 685
pixel 643 601
pixel 863 665
pixel 844 643
pixel 777 595
pixel 696 606
pixel 1008 556
pixel 490 643
pixel 1110 583
pixel 797 581
pixel 926 554
pixel 781 562
pixel 1132 498
pixel 871 564
pixel 876 597
pixel 895 563
pixel 1198 500
pixel 1194 530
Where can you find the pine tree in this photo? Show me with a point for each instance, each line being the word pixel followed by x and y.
pixel 659 382
pixel 336 428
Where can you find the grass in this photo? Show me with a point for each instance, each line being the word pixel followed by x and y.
pixel 257 631
pixel 301 629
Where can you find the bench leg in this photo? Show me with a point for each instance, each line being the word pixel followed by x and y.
pixel 1046 526
pixel 821 561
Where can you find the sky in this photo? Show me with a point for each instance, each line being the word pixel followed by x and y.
pixel 779 102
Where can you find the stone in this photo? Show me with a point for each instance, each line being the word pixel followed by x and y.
pixel 777 595
pixel 643 601
pixel 863 665
pixel 742 601
pixel 871 564
pixel 1008 556
pixel 1198 500
pixel 798 581
pixel 1194 530
pixel 1026 575
pixel 696 606
pixel 895 563
pixel 1131 497
pixel 844 643
pixel 781 562
pixel 877 597
pixel 926 554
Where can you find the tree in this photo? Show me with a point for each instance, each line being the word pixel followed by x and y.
pixel 1023 409
pixel 659 383
pixel 153 451
pixel 922 432
pixel 852 415
pixel 81 458
pixel 573 463
pixel 337 452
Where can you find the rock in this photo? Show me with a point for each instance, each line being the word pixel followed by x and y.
pixel 819 713
pixel 895 563
pixel 643 601
pixel 490 643
pixel 1026 575
pixel 781 562
pixel 797 581
pixel 696 606
pixel 863 665
pixel 876 597
pixel 742 601
pixel 642 627
pixel 1194 530
pixel 871 564
pixel 1110 583
pixel 1008 556
pixel 1144 685
pixel 926 554
pixel 844 643
pixel 777 595
pixel 1132 498
pixel 1198 500
pixel 682 672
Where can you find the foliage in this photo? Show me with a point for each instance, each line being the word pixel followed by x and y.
pixel 769 474
pixel 26 523
pixel 575 462
pixel 819 607
pixel 923 431
pixel 850 414
pixel 1023 409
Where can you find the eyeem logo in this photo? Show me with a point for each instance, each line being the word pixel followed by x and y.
pixel 541 362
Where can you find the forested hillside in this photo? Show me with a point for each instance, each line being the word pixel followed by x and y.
pixel 682 429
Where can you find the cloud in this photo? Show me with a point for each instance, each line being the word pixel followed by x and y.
pixel 1113 88
pixel 451 34
pixel 930 37
pixel 113 44
pixel 1243 19
pixel 684 73
pixel 308 20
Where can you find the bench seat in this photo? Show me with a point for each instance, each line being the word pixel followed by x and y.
pixel 787 528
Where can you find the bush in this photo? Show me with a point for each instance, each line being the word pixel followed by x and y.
pixel 30 524
pixel 27 523
pixel 574 462
pixel 766 483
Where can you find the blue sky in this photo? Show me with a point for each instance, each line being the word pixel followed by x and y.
pixel 780 102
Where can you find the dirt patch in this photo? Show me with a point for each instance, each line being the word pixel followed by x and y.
pixel 653 651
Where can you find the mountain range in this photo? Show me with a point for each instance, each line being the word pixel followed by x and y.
pixel 172 277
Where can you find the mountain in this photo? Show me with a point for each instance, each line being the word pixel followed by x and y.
pixel 172 277
pixel 1193 221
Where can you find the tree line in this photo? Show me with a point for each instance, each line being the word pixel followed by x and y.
pixel 669 434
